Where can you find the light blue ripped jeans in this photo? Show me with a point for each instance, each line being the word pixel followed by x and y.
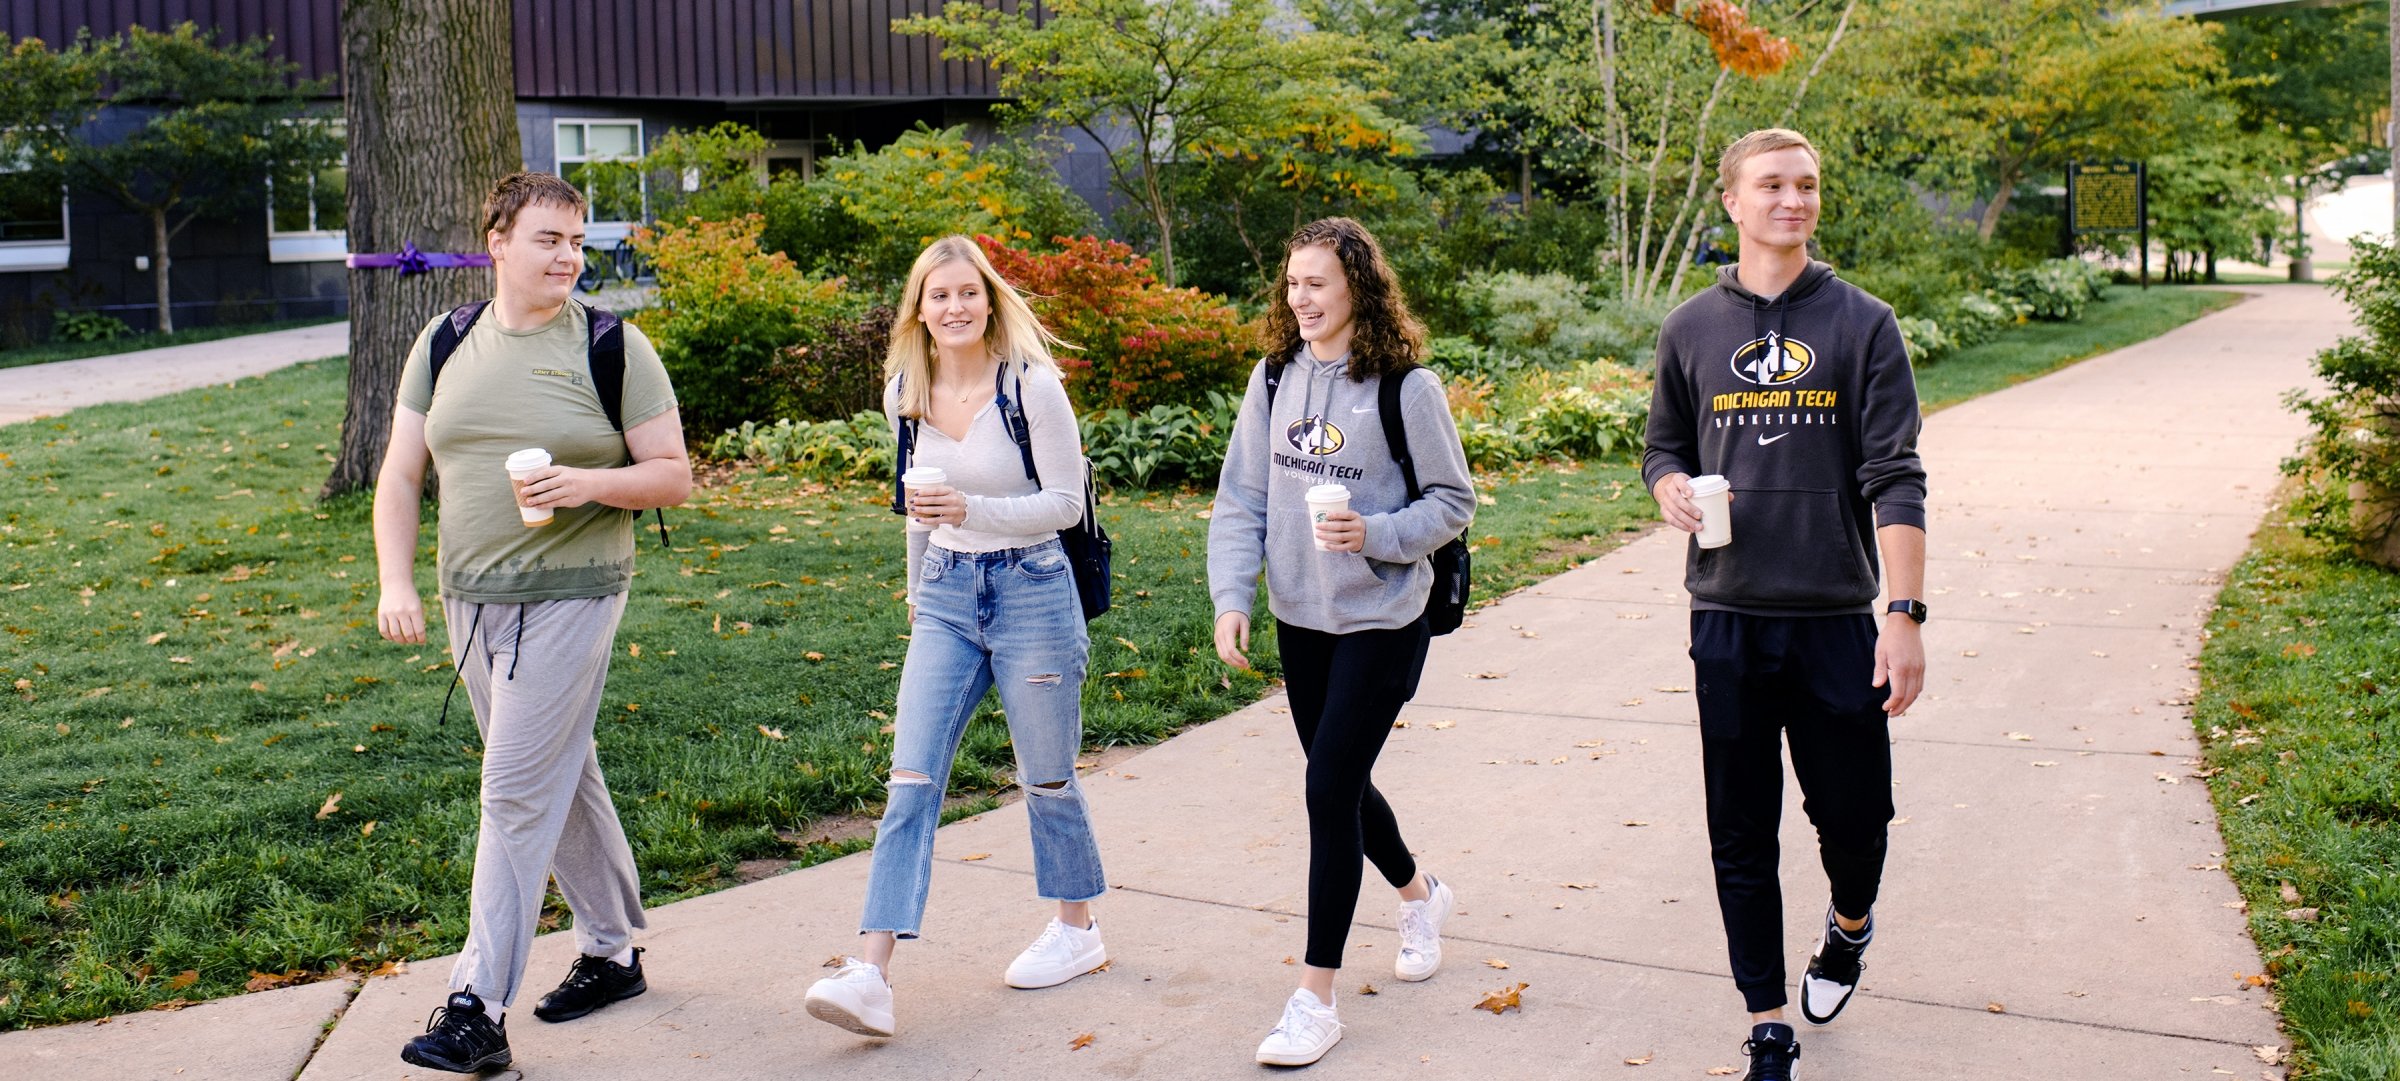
pixel 1008 619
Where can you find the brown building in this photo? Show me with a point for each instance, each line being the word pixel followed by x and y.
pixel 595 80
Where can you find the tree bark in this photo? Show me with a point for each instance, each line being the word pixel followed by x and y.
pixel 159 236
pixel 432 114
pixel 1992 211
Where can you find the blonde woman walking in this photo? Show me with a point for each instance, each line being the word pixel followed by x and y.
pixel 993 605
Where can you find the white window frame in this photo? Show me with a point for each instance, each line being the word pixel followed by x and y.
pixel 601 233
pixel 308 245
pixel 30 255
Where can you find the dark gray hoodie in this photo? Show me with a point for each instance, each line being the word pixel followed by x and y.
pixel 1807 405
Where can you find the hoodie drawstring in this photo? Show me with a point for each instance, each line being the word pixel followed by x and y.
pixel 517 651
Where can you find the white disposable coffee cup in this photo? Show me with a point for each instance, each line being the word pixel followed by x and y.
pixel 520 469
pixel 923 476
pixel 1714 497
pixel 1323 500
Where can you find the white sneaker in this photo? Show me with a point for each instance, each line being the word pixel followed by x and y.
pixel 1421 932
pixel 856 998
pixel 1060 954
pixel 1308 1030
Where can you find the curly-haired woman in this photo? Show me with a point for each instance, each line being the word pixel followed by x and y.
pixel 1348 590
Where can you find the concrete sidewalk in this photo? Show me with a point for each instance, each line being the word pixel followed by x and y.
pixel 2052 904
pixel 44 390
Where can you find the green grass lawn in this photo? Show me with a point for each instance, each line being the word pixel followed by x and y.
pixel 2128 315
pixel 133 343
pixel 189 673
pixel 2299 710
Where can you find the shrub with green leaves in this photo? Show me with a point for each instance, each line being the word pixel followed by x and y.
pixel 860 446
pixel 67 326
pixel 837 371
pixel 1164 444
pixel 2055 290
pixel 725 311
pixel 867 213
pixel 1466 358
pixel 2350 463
pixel 1555 320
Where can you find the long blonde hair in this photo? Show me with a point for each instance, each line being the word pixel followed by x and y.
pixel 1013 333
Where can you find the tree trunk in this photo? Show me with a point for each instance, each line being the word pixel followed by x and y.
pixel 1999 203
pixel 2301 268
pixel 159 236
pixel 432 124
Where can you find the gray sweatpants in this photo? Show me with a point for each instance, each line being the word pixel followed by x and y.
pixel 534 673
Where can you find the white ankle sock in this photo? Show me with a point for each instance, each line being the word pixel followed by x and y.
pixel 623 957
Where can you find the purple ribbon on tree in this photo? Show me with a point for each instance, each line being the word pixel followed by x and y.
pixel 412 261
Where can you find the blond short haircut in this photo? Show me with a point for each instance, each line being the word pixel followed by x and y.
pixel 1013 333
pixel 1762 141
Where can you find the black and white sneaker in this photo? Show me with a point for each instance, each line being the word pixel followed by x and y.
pixel 460 1038
pixel 1774 1053
pixel 1833 971
pixel 593 982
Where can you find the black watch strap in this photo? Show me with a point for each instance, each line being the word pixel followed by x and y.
pixel 1912 609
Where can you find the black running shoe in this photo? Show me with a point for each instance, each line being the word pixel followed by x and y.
pixel 1833 971
pixel 1774 1053
pixel 593 982
pixel 460 1037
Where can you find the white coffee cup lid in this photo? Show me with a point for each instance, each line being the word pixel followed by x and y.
pixel 1328 493
pixel 925 474
pixel 529 458
pixel 1710 485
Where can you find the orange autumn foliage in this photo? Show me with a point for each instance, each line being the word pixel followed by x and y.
pixel 1739 45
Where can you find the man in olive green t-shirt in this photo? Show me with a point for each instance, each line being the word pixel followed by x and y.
pixel 539 604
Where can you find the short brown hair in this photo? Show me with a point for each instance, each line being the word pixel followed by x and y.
pixel 516 191
pixel 1385 337
pixel 1762 141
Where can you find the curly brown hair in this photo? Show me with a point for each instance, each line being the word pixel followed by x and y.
pixel 1385 337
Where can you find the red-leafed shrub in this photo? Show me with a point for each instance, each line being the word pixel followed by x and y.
pixel 1143 344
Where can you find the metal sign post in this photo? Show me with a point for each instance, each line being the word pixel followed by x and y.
pixel 2111 197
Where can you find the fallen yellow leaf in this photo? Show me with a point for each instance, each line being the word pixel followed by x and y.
pixel 333 804
pixel 1506 998
pixel 1080 1042
pixel 1642 1059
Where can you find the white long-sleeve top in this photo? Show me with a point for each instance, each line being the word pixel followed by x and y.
pixel 1005 509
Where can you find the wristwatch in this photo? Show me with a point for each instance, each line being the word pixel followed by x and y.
pixel 1912 609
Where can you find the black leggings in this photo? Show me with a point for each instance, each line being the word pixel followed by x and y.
pixel 1346 690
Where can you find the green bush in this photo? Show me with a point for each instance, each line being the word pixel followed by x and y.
pixel 1578 422
pixel 67 326
pixel 724 313
pixel 868 213
pixel 1926 340
pixel 2056 290
pixel 1163 444
pixel 1554 320
pixel 855 448
pixel 1465 358
pixel 2350 463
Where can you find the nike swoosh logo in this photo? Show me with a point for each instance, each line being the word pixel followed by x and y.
pixel 1763 440
pixel 1367 409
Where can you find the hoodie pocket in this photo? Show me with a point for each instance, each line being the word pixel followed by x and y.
pixel 1792 547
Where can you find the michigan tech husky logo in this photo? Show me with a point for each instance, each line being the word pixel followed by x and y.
pixel 1314 435
pixel 1773 360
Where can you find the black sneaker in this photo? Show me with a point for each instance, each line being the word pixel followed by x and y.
pixel 593 982
pixel 1774 1053
pixel 1833 971
pixel 460 1037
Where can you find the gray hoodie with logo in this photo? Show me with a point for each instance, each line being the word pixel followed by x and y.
pixel 1806 404
pixel 1325 429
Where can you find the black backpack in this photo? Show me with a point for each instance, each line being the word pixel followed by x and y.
pixel 1087 545
pixel 1453 563
pixel 604 354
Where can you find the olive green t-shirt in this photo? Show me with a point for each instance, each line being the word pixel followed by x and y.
pixel 505 391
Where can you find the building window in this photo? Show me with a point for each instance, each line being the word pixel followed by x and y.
pixel 307 213
pixel 33 222
pixel 598 157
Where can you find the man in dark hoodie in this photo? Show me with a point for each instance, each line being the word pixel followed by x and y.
pixel 1794 386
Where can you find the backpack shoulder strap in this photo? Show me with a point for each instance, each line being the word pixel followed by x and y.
pixel 905 435
pixel 451 331
pixel 1012 417
pixel 604 352
pixel 1274 380
pixel 1395 428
